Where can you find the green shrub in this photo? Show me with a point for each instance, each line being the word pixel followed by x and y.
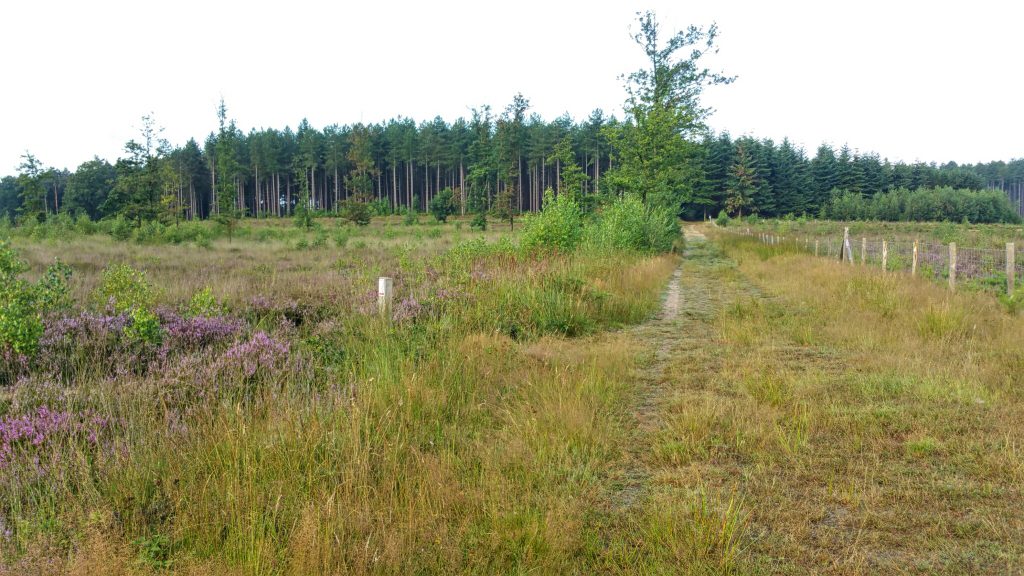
pixel 120 228
pixel 442 205
pixel 722 219
pixel 356 212
pixel 144 327
pixel 629 224
pixel 204 303
pixel 479 222
pixel 124 289
pixel 558 226
pixel 22 304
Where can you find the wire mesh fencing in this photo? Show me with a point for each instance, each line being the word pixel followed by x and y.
pixel 990 268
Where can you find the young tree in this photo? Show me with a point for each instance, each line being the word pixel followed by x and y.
pixel 571 177
pixel 30 187
pixel 743 182
pixel 655 148
pixel 505 206
pixel 228 213
pixel 442 205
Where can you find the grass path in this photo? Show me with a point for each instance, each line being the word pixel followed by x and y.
pixel 794 416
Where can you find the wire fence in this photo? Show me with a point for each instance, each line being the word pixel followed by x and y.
pixel 975 267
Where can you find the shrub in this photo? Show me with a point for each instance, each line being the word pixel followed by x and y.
pixel 722 219
pixel 124 288
pixel 442 205
pixel 22 304
pixel 479 222
pixel 629 224
pixel 120 228
pixel 558 226
pixel 203 303
pixel 356 212
pixel 923 205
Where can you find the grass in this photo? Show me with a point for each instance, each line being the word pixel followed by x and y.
pixel 867 422
pixel 477 432
pixel 992 236
pixel 528 414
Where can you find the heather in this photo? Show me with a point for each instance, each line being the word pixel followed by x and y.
pixel 245 406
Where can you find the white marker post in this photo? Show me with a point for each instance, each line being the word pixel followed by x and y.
pixel 385 294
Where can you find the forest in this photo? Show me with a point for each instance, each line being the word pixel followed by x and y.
pixel 401 165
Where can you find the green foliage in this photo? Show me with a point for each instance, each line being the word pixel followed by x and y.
pixel 380 207
pixel 923 204
pixel 204 303
pixel 559 226
pixel 657 157
pixel 124 289
pixel 722 219
pixel 22 304
pixel 303 215
pixel 504 207
pixel 154 551
pixel 143 327
pixel 629 224
pixel 121 229
pixel 356 212
pixel 479 222
pixel 442 205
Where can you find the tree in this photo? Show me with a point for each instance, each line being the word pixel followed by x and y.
pixel 505 206
pixel 30 187
pixel 743 182
pixel 657 157
pixel 228 167
pixel 442 205
pixel 88 187
pixel 571 177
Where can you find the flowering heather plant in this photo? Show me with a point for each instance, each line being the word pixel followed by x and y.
pixel 261 352
pixel 407 310
pixel 195 332
pixel 30 434
pixel 85 326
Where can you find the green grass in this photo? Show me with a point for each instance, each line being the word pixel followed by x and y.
pixel 477 436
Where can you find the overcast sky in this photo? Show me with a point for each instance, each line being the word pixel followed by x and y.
pixel 931 81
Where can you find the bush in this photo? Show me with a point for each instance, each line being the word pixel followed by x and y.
pixel 204 303
pixel 558 226
pixel 356 212
pixel 124 289
pixel 442 206
pixel 722 219
pixel 629 224
pixel 923 205
pixel 22 304
pixel 479 222
pixel 120 228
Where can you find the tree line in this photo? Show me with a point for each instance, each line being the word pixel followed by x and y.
pixel 661 150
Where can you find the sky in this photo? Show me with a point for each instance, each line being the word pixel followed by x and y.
pixel 912 81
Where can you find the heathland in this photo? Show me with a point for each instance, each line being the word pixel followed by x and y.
pixel 742 408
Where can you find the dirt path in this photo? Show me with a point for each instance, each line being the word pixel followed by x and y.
pixel 677 334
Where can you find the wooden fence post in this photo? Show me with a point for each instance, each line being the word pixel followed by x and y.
pixel 815 247
pixel 885 256
pixel 863 251
pixel 1011 268
pixel 913 262
pixel 952 265
pixel 385 294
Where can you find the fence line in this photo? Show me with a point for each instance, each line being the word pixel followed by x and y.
pixel 977 267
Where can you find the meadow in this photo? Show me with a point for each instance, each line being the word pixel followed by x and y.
pixel 737 408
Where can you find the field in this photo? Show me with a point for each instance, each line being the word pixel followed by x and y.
pixel 737 408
